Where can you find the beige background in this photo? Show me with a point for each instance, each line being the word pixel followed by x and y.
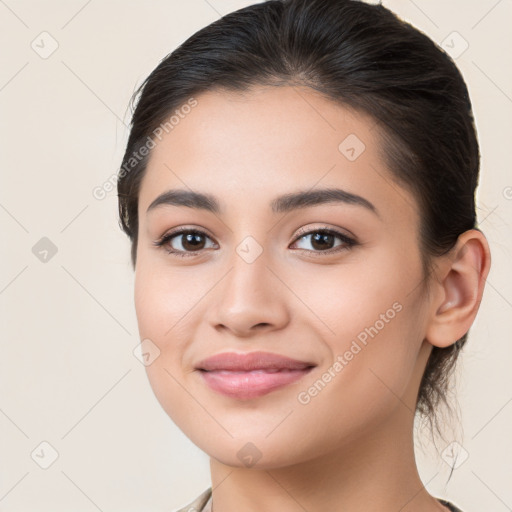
pixel 68 375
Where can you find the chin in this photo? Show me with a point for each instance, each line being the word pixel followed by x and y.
pixel 251 452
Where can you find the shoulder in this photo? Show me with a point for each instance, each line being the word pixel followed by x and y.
pixel 203 503
pixel 200 504
pixel 449 505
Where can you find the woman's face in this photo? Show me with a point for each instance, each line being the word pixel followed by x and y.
pixel 262 274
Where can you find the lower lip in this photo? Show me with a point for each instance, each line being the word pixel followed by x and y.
pixel 247 385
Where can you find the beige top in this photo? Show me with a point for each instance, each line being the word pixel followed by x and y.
pixel 203 503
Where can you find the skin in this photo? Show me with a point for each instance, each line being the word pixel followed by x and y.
pixel 351 447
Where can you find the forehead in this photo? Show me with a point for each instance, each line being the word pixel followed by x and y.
pixel 269 141
pixel 287 121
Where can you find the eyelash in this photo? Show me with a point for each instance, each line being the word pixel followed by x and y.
pixel 165 239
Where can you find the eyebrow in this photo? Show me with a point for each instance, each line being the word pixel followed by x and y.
pixel 281 204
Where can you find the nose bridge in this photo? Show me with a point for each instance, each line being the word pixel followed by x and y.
pixel 250 254
pixel 248 279
pixel 250 294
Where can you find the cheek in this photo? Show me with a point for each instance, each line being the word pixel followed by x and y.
pixel 161 306
pixel 164 300
pixel 156 318
pixel 363 300
pixel 165 303
pixel 373 328
pixel 370 376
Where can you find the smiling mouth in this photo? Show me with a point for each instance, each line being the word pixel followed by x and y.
pixel 250 374
pixel 245 385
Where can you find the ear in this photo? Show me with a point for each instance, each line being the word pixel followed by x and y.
pixel 458 289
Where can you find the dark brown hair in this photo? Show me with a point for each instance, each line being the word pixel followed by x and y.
pixel 364 57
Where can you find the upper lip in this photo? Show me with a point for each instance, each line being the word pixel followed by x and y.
pixel 233 361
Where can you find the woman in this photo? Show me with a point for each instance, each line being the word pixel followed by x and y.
pixel 298 187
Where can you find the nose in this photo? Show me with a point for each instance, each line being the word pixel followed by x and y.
pixel 250 299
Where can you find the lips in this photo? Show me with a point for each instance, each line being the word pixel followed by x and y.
pixel 251 375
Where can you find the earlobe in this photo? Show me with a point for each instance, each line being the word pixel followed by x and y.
pixel 459 289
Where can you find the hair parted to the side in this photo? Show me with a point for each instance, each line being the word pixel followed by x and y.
pixel 359 55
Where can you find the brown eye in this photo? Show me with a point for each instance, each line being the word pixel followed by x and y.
pixel 190 241
pixel 324 240
pixel 183 242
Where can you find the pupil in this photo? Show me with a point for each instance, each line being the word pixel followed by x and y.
pixel 321 238
pixel 194 239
